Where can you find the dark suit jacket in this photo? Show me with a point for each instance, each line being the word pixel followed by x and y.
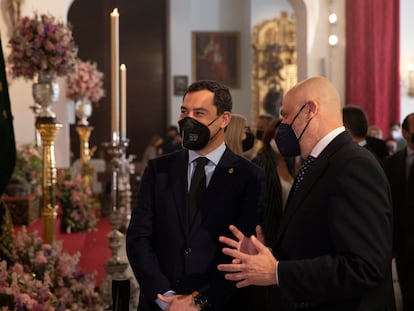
pixel 378 147
pixel 165 253
pixel 403 206
pixel 335 238
pixel 395 169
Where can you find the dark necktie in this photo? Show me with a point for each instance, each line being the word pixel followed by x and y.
pixel 306 164
pixel 197 188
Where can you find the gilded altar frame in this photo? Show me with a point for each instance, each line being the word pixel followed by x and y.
pixel 274 65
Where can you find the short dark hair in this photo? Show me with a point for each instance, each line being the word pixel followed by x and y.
pixel 405 124
pixel 222 96
pixel 355 120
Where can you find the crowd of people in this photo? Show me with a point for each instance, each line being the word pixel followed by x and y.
pixel 305 210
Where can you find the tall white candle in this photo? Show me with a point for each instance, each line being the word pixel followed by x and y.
pixel 115 75
pixel 122 69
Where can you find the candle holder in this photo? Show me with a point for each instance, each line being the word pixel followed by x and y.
pixel 117 265
pixel 48 131
pixel 86 154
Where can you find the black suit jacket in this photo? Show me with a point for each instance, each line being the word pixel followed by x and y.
pixel 395 168
pixel 378 147
pixel 165 253
pixel 335 239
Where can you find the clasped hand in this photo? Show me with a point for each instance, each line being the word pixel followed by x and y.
pixel 179 302
pixel 253 263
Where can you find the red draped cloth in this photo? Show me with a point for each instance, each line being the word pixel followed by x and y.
pixel 372 59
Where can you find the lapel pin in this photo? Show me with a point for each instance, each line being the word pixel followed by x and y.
pixel 231 170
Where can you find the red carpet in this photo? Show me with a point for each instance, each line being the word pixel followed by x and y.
pixel 93 246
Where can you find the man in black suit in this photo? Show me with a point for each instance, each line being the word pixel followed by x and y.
pixel 356 123
pixel 334 246
pixel 173 254
pixel 400 171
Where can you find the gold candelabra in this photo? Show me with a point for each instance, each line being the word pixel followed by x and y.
pixel 48 133
pixel 85 154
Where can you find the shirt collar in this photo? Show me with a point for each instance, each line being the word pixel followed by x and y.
pixel 316 151
pixel 214 156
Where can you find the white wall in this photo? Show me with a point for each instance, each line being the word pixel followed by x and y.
pixel 213 15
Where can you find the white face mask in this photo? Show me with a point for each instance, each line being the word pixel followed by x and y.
pixel 274 146
pixel 396 134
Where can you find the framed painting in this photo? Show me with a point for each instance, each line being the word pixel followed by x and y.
pixel 216 56
pixel 180 85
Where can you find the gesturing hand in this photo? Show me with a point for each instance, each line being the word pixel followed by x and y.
pixel 243 243
pixel 253 263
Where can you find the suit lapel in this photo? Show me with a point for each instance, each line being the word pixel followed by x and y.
pixel 313 174
pixel 296 197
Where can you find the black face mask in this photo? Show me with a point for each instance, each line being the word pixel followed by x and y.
pixel 286 139
pixel 259 134
pixel 195 135
pixel 248 142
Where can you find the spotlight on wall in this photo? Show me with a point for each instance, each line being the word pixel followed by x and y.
pixel 332 18
pixel 333 40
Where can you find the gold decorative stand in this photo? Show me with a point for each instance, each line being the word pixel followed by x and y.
pixel 48 130
pixel 85 154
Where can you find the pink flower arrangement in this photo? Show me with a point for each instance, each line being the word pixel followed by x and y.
pixel 85 82
pixel 42 44
pixel 42 277
pixel 79 206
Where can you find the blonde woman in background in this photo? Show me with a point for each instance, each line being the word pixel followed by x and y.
pixel 238 136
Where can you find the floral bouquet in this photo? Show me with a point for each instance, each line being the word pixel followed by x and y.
pixel 79 206
pixel 28 167
pixel 43 277
pixel 85 82
pixel 41 44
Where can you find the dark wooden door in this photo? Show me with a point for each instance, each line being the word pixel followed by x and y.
pixel 142 48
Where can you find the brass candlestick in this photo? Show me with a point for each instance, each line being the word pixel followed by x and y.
pixel 48 131
pixel 85 154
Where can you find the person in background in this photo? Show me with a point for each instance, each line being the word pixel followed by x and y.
pixel 172 140
pixel 400 171
pixel 395 132
pixel 172 239
pixel 392 146
pixel 262 121
pixel 356 123
pixel 238 136
pixel 280 172
pixel 334 246
pixel 152 150
pixel 374 131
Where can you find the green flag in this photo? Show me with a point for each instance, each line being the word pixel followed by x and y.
pixel 7 143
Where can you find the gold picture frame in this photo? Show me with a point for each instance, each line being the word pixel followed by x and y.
pixel 216 56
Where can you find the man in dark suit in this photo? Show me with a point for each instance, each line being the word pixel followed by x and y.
pixel 356 123
pixel 334 245
pixel 400 171
pixel 174 255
